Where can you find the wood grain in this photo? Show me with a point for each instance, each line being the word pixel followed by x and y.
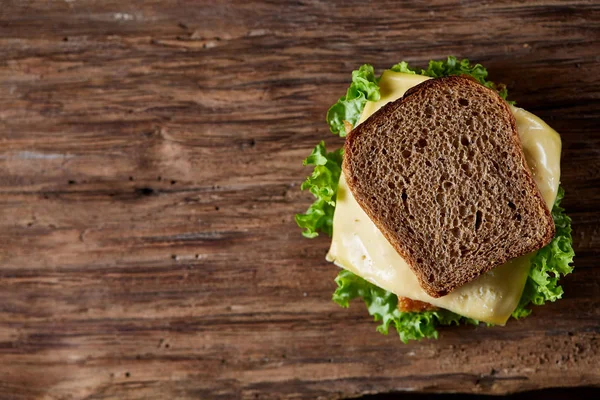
pixel 150 173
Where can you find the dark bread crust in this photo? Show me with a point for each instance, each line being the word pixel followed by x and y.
pixel 492 211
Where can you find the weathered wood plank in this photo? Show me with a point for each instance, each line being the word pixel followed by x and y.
pixel 150 173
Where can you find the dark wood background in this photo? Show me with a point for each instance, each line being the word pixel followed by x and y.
pixel 150 162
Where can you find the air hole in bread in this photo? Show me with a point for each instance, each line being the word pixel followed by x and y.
pixel 429 111
pixel 456 232
pixel 478 216
pixel 464 140
pixel 463 102
pixel 512 205
pixel 406 153
pixel 467 168
pixel 422 143
pixel 440 199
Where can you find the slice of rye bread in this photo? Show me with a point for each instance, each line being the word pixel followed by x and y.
pixel 442 174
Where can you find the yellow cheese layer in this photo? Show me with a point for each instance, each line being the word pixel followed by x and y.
pixel 359 246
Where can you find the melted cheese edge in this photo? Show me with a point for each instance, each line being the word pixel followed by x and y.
pixel 358 245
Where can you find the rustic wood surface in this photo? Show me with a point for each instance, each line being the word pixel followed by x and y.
pixel 150 167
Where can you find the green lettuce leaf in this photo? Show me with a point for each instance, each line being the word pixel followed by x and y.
pixel 322 183
pixel 453 66
pixel 349 107
pixel 383 306
pixel 549 264
pixel 403 67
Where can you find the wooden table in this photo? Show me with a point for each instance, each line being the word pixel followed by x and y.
pixel 150 167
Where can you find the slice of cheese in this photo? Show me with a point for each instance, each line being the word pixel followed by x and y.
pixel 359 246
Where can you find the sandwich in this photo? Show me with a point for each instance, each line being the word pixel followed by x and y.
pixel 443 204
